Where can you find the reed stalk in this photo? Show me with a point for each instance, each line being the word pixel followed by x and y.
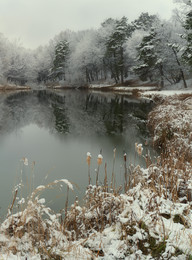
pixel 125 171
pixel 89 163
pixel 99 162
pixel 105 179
pixel 13 202
pixel 66 202
pixel 113 169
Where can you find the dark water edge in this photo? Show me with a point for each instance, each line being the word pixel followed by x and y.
pixel 55 130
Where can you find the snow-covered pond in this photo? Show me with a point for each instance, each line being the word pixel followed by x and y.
pixel 55 130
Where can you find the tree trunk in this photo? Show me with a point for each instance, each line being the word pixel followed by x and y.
pixel 181 71
pixel 162 76
pixel 121 65
pixel 87 76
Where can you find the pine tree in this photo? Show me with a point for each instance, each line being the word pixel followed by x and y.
pixel 61 55
pixel 144 22
pixel 114 56
pixel 147 57
pixel 187 54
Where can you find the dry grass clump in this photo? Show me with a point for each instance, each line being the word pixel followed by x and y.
pixel 101 209
pixel 35 230
pixel 28 231
pixel 171 123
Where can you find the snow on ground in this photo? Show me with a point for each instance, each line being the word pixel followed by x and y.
pixel 140 88
pixel 166 92
pixel 148 91
pixel 100 85
pixel 121 88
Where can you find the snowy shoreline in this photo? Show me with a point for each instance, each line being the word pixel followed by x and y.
pixel 152 220
pixel 143 90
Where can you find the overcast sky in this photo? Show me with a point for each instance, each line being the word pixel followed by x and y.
pixel 35 22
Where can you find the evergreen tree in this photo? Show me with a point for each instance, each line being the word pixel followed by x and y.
pixel 114 56
pixel 187 54
pixel 61 56
pixel 144 22
pixel 147 57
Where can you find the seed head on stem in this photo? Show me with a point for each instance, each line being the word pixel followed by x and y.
pixel 99 159
pixel 89 162
pixel 88 158
pixel 99 162
pixel 139 148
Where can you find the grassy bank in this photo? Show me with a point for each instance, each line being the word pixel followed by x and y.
pixel 152 219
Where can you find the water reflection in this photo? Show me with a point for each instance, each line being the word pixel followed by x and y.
pixel 73 112
pixel 57 129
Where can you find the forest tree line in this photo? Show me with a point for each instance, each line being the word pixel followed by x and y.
pixel 149 48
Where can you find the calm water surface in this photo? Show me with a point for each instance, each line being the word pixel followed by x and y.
pixel 55 130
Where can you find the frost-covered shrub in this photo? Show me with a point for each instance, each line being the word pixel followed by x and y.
pixel 102 208
pixel 171 123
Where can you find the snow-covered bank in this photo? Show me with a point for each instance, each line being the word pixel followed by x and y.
pixel 151 93
pixel 145 90
pixel 139 88
pixel 152 220
pixel 126 89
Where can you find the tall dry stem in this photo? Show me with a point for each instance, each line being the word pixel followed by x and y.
pixel 89 162
pixel 66 202
pixel 13 202
pixel 113 169
pixel 105 179
pixel 99 162
pixel 125 170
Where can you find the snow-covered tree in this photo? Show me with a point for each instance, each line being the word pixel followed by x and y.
pixel 16 70
pixel 147 57
pixel 184 15
pixel 115 49
pixel 159 55
pixel 86 60
pixel 187 54
pixel 133 42
pixel 148 46
pixel 4 47
pixel 186 2
pixel 41 64
pixel 60 60
pixel 144 22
